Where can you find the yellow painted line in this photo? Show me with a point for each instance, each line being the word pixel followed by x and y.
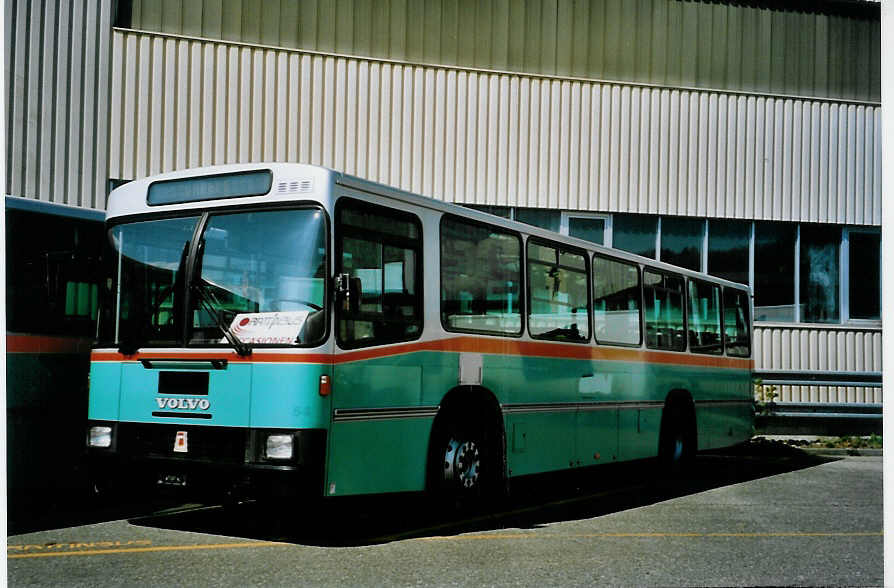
pixel 505 536
pixel 479 537
pixel 153 549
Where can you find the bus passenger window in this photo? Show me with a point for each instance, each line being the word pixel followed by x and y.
pixel 704 318
pixel 616 302
pixel 379 250
pixel 663 296
pixel 735 323
pixel 480 278
pixel 557 292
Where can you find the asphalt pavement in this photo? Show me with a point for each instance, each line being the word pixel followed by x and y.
pixel 757 516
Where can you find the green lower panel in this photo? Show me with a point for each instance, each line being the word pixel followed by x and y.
pixel 540 442
pixel 722 426
pixel 597 437
pixel 46 409
pixel 377 456
pixel 638 431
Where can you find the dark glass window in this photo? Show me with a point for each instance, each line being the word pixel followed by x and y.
pixel 380 250
pixel 616 301
pixel 704 318
pixel 589 229
pixel 539 217
pixel 52 274
pixel 681 241
pixel 728 249
pixel 480 278
pixel 865 275
pixel 774 271
pixel 557 291
pixel 635 233
pixel 663 298
pixel 737 330
pixel 819 274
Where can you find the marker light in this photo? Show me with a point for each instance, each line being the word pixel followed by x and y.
pixel 100 437
pixel 279 447
pixel 325 386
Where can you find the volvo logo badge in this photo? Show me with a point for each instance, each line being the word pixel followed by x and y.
pixel 183 403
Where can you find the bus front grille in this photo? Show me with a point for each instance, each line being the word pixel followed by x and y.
pixel 220 444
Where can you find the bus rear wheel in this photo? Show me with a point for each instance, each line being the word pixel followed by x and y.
pixel 677 443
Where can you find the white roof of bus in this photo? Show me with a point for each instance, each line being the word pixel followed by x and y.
pixel 130 199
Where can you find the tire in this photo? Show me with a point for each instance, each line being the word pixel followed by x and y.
pixel 677 441
pixel 465 463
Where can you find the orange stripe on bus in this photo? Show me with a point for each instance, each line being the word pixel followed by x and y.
pixel 46 344
pixel 466 344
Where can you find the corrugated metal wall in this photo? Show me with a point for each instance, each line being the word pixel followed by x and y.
pixel 811 348
pixel 488 138
pixel 806 51
pixel 56 72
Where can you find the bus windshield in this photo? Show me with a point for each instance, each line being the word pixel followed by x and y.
pixel 259 278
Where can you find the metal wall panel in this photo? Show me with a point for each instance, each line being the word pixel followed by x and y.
pixel 810 348
pixel 488 138
pixel 57 78
pixel 823 51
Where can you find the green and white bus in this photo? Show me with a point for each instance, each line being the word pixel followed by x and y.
pixel 287 328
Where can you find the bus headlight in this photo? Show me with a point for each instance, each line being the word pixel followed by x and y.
pixel 279 447
pixel 100 436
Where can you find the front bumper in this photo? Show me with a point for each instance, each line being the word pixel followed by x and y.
pixel 207 460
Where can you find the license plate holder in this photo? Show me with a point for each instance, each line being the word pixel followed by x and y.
pixel 172 480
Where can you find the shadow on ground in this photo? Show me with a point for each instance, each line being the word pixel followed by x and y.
pixel 534 502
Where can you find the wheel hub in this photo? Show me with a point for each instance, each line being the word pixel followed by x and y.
pixel 461 463
pixel 677 454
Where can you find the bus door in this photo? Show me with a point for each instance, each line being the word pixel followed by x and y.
pixel 380 428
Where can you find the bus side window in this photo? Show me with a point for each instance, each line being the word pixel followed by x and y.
pixel 737 335
pixel 704 318
pixel 480 278
pixel 557 292
pixel 616 302
pixel 663 294
pixel 379 249
pixel 52 274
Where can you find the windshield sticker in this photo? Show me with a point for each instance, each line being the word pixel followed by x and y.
pixel 268 327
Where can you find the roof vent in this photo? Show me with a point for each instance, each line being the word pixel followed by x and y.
pixel 294 186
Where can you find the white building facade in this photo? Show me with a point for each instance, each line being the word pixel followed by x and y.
pixel 738 138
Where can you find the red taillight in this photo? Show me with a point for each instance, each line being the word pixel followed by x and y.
pixel 325 386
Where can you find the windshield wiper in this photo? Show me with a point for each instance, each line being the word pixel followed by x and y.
pixel 211 304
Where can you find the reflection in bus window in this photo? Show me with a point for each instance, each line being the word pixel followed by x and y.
pixel 52 273
pixel 704 318
pixel 148 266
pixel 736 323
pixel 663 296
pixel 557 289
pixel 616 302
pixel 264 262
pixel 379 252
pixel 480 278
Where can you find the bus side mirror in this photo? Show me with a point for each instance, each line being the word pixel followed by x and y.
pixel 347 293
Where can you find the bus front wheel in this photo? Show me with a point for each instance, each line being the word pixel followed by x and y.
pixel 464 464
